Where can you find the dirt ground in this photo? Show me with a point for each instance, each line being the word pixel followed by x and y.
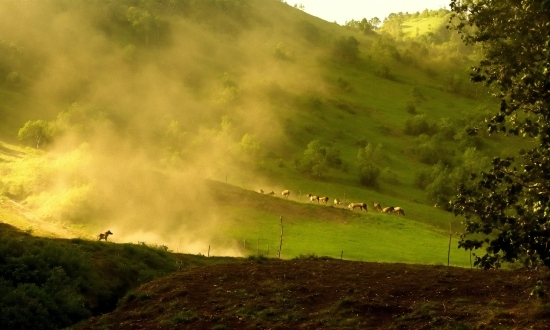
pixel 333 294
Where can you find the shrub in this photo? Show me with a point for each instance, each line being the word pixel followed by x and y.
pixel 318 157
pixel 419 125
pixel 446 128
pixel 346 49
pixel 309 31
pixel 368 175
pixel 422 179
pixel 47 284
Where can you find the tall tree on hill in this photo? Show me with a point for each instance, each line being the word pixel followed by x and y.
pixel 37 132
pixel 141 21
pixel 509 205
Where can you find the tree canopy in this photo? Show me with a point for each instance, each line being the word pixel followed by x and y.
pixel 507 208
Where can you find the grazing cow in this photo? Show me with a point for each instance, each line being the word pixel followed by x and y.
pixel 388 209
pixel 261 191
pixel 361 206
pixel 324 199
pixel 399 211
pixel 377 207
pixel 313 198
pixel 104 235
pixel 286 193
pixel 272 193
pixel 337 201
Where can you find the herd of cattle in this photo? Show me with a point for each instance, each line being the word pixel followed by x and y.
pixel 362 206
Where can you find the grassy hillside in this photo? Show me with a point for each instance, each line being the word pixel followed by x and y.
pixel 135 106
pixel 54 283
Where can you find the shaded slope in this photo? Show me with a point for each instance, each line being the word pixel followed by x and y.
pixel 331 294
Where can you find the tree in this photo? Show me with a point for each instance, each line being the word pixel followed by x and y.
pixel 318 157
pixel 346 49
pixel 375 22
pixel 368 160
pixel 38 132
pixel 507 208
pixel 141 21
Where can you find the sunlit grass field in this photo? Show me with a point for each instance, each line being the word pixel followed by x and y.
pixel 367 237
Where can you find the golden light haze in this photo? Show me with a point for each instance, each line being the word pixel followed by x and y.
pixel 138 167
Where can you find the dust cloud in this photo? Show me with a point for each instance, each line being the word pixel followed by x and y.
pixel 143 122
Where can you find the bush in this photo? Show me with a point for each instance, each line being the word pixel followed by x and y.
pixel 422 179
pixel 52 284
pixel 318 157
pixel 419 125
pixel 309 31
pixel 346 49
pixel 430 150
pixel 368 175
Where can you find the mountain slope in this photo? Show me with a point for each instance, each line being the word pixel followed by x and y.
pixel 143 101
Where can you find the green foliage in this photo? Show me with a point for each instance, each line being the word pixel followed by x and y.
pixel 38 132
pixel 368 175
pixel 506 208
pixel 318 157
pixel 385 47
pixel 309 31
pixel 78 119
pixel 369 159
pixel 430 149
pixel 346 49
pixel 51 284
pixel 249 144
pixel 362 26
pixel 418 125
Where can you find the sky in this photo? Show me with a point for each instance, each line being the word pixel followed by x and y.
pixel 346 10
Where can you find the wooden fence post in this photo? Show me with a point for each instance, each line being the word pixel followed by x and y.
pixel 281 243
pixel 449 251
pixel 209 251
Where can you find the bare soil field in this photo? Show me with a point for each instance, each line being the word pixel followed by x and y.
pixel 320 293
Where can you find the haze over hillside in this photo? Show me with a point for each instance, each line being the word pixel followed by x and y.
pixel 144 100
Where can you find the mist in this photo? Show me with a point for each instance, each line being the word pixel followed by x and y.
pixel 150 132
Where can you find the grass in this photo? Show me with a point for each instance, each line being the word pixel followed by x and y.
pixel 369 237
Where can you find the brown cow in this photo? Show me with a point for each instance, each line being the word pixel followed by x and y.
pixel 361 206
